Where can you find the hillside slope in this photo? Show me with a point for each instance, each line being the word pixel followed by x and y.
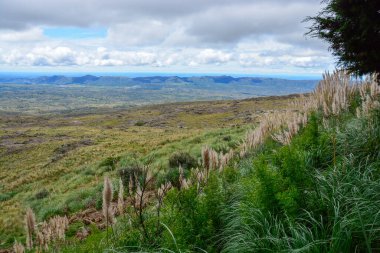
pixel 306 179
pixel 55 163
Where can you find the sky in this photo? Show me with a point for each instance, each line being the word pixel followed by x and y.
pixel 264 37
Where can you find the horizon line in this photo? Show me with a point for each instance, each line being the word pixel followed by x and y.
pixel 31 74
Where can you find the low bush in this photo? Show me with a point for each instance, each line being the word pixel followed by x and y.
pixel 183 159
pixel 42 194
pixel 109 163
pixel 193 219
pixel 6 196
pixel 130 173
pixel 140 123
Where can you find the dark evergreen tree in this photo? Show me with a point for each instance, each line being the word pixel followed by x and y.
pixel 352 28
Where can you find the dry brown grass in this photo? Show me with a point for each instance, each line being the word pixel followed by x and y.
pixel 52 232
pixel 332 95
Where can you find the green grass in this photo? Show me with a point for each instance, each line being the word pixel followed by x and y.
pixel 336 211
pixel 68 155
pixel 318 194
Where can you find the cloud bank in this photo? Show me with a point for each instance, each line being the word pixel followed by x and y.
pixel 239 35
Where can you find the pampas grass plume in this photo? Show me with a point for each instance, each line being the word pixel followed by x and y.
pixel 30 223
pixel 120 199
pixel 107 198
pixel 18 247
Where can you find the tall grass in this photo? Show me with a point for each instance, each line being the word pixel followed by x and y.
pixel 347 220
pixel 302 181
pixel 342 208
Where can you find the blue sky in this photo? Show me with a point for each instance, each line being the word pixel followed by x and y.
pixel 68 33
pixel 246 37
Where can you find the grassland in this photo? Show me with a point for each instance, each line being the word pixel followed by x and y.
pixel 55 163
pixel 304 180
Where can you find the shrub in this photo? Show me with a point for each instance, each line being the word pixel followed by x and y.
pixel 130 173
pixel 184 159
pixel 196 140
pixel 74 228
pixel 194 218
pixel 283 176
pixel 48 212
pixel 172 176
pixel 268 182
pixel 362 138
pixel 109 163
pixel 227 138
pixel 316 143
pixel 6 196
pixel 230 176
pixel 140 123
pixel 42 194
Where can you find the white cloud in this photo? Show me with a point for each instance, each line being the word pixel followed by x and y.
pixel 58 56
pixel 193 57
pixel 168 34
pixel 44 56
pixel 211 56
pixel 254 60
pixel 33 34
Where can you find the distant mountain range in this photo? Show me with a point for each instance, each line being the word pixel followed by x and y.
pixel 62 93
pixel 126 81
